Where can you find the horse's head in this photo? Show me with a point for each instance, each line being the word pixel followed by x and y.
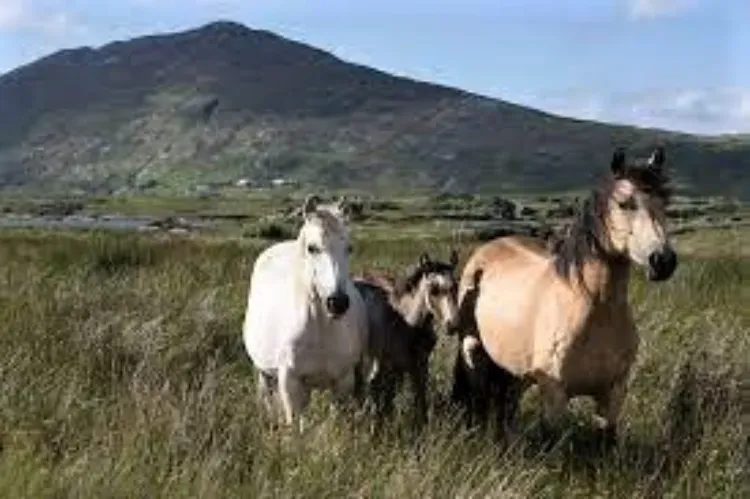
pixel 635 215
pixel 324 245
pixel 438 287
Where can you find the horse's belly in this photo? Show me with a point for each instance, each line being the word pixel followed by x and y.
pixel 508 345
pixel 505 316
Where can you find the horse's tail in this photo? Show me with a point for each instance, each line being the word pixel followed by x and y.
pixel 467 300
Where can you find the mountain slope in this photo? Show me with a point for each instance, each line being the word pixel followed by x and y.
pixel 223 101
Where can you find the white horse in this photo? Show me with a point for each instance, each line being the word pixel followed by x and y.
pixel 305 324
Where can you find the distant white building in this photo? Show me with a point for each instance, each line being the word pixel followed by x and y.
pixel 281 182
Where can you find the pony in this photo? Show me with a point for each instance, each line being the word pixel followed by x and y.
pixel 401 322
pixel 305 324
pixel 558 315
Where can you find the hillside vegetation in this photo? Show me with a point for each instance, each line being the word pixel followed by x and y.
pixel 223 102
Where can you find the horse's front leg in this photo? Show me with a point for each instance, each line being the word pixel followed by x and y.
pixel 265 391
pixel 382 391
pixel 554 404
pixel 345 390
pixel 608 408
pixel 420 379
pixel 294 397
pixel 362 375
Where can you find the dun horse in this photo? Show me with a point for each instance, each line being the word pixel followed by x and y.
pixel 305 325
pixel 560 317
pixel 402 316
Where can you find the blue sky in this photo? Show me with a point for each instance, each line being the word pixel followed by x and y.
pixel 677 64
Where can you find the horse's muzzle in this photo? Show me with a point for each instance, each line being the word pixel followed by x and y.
pixel 662 264
pixel 337 304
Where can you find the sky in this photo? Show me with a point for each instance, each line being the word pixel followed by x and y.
pixel 674 64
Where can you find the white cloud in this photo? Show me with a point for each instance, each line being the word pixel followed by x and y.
pixel 703 111
pixel 649 9
pixel 21 15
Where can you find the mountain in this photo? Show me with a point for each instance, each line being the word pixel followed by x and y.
pixel 223 102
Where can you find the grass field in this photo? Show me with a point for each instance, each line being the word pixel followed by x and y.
pixel 123 375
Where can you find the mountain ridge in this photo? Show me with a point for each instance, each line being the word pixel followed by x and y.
pixel 222 101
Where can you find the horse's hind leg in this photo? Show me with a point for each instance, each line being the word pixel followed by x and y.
pixel 472 381
pixel 464 388
pixel 460 388
pixel 506 390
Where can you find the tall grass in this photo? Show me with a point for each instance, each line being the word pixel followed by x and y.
pixel 123 375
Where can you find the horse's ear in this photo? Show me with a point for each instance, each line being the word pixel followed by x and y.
pixel 618 161
pixel 656 161
pixel 424 260
pixel 344 207
pixel 311 204
pixel 454 258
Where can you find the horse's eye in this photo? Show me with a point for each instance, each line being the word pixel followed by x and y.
pixel 312 249
pixel 434 290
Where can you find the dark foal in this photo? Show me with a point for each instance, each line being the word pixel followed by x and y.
pixel 402 315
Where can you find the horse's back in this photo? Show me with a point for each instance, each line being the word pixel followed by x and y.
pixel 387 330
pixel 501 254
pixel 384 281
pixel 514 296
pixel 503 248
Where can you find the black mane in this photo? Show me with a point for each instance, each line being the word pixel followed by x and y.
pixel 585 236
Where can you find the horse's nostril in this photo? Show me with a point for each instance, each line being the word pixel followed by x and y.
pixel 665 258
pixel 653 259
pixel 662 264
pixel 337 303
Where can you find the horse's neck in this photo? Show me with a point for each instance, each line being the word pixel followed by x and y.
pixel 412 307
pixel 605 281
